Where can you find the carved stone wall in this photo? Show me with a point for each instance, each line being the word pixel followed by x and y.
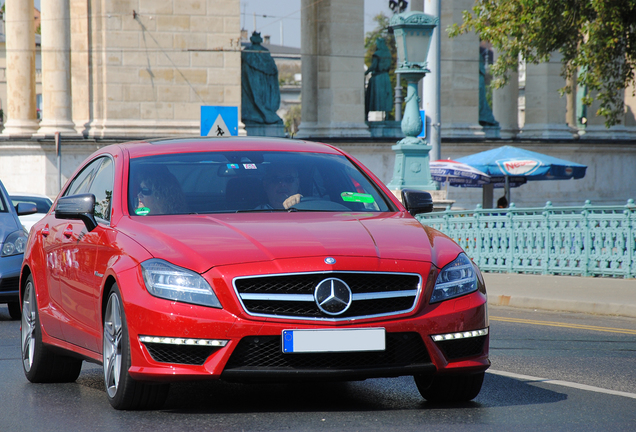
pixel 153 63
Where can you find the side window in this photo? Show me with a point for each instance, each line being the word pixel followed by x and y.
pixel 83 180
pixel 102 188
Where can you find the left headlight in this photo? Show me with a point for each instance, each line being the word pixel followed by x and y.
pixel 14 244
pixel 455 279
pixel 170 282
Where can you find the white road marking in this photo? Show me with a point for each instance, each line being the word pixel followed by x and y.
pixel 562 383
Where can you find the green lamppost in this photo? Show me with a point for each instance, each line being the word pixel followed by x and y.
pixel 413 31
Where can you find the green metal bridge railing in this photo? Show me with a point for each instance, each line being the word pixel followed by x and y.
pixel 585 241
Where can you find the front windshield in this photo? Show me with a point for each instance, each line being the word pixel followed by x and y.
pixel 255 181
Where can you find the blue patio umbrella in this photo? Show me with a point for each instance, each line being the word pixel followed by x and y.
pixel 457 174
pixel 510 162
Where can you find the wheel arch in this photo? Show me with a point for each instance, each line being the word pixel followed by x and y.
pixel 108 284
pixel 24 275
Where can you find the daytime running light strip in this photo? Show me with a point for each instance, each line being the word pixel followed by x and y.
pixel 183 341
pixel 460 335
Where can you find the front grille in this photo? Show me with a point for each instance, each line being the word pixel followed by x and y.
pixel 292 296
pixel 182 354
pixel 460 348
pixel 402 349
pixel 9 284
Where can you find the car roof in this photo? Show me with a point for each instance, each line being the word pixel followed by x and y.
pixel 202 144
pixel 29 195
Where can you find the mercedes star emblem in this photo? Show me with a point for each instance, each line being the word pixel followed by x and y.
pixel 333 296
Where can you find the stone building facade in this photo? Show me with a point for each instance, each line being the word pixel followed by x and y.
pixel 120 69
pixel 126 68
pixel 151 64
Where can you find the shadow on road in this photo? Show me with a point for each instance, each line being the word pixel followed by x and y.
pixel 372 395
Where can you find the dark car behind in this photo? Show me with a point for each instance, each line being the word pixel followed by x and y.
pixel 13 241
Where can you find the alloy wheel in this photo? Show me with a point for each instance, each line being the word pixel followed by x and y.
pixel 112 345
pixel 28 326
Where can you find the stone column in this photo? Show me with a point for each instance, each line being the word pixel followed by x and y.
pixel 80 71
pixel 630 110
pixel 459 76
pixel 20 35
pixel 545 109
pixel 595 127
pixel 505 107
pixel 332 49
pixel 151 67
pixel 56 69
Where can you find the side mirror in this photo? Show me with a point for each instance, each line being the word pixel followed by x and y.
pixel 26 208
pixel 417 201
pixel 80 207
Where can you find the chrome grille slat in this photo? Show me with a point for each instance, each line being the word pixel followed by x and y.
pixel 291 296
pixel 278 297
pixel 384 295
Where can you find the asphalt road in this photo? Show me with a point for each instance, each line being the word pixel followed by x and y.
pixel 550 371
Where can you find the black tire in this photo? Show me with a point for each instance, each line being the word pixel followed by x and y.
pixel 124 393
pixel 40 365
pixel 450 388
pixel 14 310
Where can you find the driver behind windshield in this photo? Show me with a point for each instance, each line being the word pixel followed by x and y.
pixel 282 187
pixel 159 192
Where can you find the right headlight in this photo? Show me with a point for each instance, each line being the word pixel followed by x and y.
pixel 14 244
pixel 170 282
pixel 455 279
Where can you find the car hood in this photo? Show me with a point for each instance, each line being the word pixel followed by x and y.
pixel 200 242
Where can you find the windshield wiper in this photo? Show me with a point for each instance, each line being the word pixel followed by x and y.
pixel 308 210
pixel 210 212
pixel 268 210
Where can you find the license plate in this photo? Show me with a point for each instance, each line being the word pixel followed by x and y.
pixel 345 340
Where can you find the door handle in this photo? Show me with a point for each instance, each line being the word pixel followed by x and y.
pixel 68 232
pixel 45 231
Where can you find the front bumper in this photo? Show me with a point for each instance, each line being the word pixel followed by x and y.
pixel 252 345
pixel 10 278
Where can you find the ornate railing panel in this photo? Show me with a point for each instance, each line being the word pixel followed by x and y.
pixel 587 241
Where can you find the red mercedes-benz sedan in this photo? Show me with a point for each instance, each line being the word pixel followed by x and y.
pixel 245 259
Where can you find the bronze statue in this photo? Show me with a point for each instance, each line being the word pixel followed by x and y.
pixel 486 117
pixel 379 95
pixel 260 95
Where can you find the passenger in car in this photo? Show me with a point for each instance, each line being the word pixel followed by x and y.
pixel 159 193
pixel 282 187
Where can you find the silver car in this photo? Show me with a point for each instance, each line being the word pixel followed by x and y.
pixel 14 239
pixel 42 202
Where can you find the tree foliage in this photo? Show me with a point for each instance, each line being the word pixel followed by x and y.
pixel 597 39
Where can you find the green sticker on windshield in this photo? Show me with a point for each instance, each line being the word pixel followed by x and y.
pixel 357 197
pixel 142 211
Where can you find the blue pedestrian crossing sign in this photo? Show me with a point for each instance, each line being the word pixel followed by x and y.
pixel 219 121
